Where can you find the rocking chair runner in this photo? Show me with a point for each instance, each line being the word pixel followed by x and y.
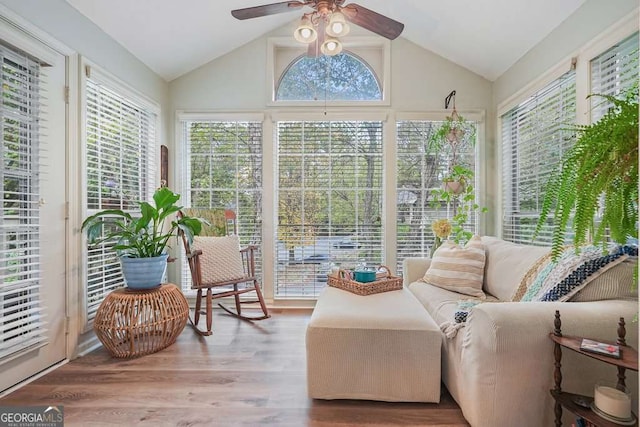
pixel 218 262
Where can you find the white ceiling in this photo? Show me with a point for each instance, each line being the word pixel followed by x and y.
pixel 174 37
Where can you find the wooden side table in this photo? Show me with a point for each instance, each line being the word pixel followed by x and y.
pixel 628 360
pixel 132 323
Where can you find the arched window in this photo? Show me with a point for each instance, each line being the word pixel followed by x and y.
pixel 343 77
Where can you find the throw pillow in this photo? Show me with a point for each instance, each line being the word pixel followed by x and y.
pixel 458 269
pixel 220 260
pixel 554 272
pixel 560 280
pixel 531 276
pixel 615 283
pixel 581 276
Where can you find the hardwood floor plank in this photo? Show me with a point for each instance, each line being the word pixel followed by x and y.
pixel 243 375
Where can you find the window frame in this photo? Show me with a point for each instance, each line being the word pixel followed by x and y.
pixel 309 119
pixel 282 51
pixel 183 174
pixel 98 74
pixel 529 108
pixel 478 220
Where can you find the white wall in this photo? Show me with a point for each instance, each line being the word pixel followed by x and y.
pixel 66 24
pixel 591 19
pixel 237 81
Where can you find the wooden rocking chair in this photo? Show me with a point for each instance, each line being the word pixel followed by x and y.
pixel 217 262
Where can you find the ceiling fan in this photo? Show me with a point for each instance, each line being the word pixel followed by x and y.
pixel 331 12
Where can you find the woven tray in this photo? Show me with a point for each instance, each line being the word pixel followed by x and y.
pixel 385 282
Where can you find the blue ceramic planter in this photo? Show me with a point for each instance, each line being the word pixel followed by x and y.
pixel 143 273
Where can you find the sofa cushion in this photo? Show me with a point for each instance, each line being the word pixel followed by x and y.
pixel 441 303
pixel 615 283
pixel 458 269
pixel 506 265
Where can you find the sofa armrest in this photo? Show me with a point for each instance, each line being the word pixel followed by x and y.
pixel 414 268
pixel 507 345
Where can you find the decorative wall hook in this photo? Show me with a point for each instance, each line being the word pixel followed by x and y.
pixel 447 100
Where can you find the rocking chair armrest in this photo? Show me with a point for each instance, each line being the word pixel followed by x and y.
pixel 195 253
pixel 249 248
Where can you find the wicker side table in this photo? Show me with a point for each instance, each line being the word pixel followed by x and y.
pixel 134 323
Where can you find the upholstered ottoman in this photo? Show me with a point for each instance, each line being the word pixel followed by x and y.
pixel 377 347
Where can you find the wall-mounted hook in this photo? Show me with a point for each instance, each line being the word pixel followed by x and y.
pixel 448 99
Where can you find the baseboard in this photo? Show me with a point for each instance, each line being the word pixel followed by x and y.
pixel 87 347
pixel 33 378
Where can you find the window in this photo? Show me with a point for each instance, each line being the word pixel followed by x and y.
pixel 612 73
pixel 535 134
pixel 224 170
pixel 21 309
pixel 121 152
pixel 342 77
pixel 421 167
pixel 329 201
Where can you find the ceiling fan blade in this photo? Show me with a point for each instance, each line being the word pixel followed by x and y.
pixel 373 21
pixel 313 51
pixel 267 9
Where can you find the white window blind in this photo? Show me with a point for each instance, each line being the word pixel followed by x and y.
pixel 21 111
pixel 612 73
pixel 120 170
pixel 535 135
pixel 329 201
pixel 421 167
pixel 224 170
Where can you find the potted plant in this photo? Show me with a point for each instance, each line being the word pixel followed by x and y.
pixel 461 198
pixel 457 190
pixel 595 189
pixel 141 241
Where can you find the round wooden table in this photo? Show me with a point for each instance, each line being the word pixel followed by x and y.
pixel 133 323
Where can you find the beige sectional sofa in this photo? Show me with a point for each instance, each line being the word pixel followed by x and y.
pixel 499 366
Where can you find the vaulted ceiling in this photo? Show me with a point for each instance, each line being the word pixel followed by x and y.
pixel 173 37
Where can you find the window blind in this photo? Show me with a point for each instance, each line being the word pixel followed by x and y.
pixel 329 201
pixel 613 72
pixel 421 167
pixel 120 170
pixel 535 135
pixel 22 109
pixel 224 170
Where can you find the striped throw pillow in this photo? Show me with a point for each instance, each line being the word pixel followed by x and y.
pixel 458 269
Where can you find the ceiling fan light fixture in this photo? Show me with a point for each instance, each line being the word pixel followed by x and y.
pixel 305 33
pixel 331 47
pixel 337 26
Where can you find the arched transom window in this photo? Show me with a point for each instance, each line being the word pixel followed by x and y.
pixel 343 77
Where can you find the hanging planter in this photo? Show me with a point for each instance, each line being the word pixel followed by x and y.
pixel 454 187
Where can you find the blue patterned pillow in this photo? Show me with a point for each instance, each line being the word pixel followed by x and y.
pixel 583 274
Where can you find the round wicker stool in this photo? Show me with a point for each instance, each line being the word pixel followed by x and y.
pixel 133 323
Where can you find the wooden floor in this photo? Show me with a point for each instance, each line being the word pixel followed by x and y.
pixel 245 374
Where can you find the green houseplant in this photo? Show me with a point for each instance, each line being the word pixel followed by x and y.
pixel 458 190
pixel 595 189
pixel 141 241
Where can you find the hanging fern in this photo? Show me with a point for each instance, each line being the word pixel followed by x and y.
pixel 595 189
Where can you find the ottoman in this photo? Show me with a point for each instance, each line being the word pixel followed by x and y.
pixel 378 347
